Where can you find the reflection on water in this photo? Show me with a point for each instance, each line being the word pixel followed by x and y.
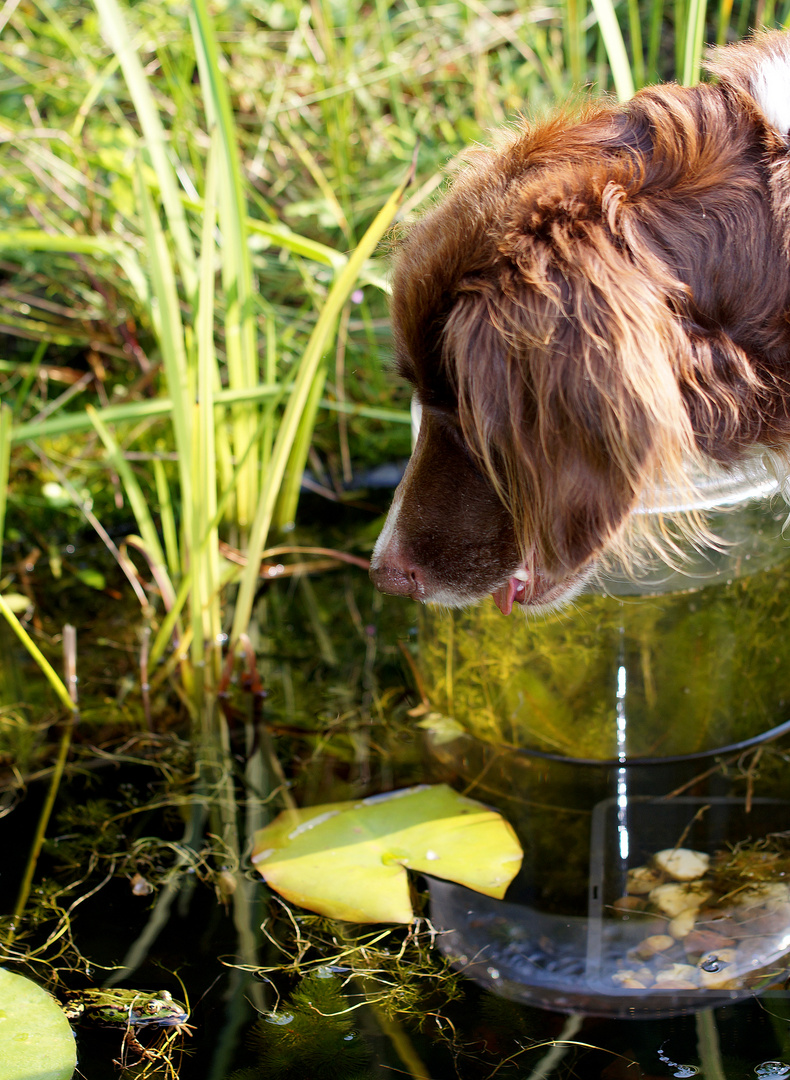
pixel 621 728
pixel 681 1070
pixel 771 1069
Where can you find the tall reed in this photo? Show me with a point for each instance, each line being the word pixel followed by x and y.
pixel 189 268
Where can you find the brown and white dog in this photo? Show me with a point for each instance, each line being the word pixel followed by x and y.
pixel 594 304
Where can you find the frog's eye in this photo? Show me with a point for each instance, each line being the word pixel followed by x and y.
pixel 153 1006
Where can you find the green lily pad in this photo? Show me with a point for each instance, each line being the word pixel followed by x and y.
pixel 348 860
pixel 36 1042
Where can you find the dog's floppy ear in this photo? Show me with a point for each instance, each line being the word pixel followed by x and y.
pixel 567 379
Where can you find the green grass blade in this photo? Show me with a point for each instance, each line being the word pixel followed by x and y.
pixel 637 54
pixel 615 48
pixel 292 480
pixel 137 502
pixel 6 415
pixel 50 674
pixel 167 518
pixel 169 622
pixel 286 238
pixel 37 240
pixel 370 412
pixel 96 87
pixel 204 562
pixel 270 374
pixel 166 316
pixel 655 19
pixel 298 245
pixel 237 279
pixel 121 40
pixel 19 240
pixel 311 359
pixel 161 406
pixel 573 14
pixel 30 377
pixel 694 34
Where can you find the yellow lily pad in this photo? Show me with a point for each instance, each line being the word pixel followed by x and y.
pixel 348 860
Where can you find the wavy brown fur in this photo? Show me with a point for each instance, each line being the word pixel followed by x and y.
pixel 593 303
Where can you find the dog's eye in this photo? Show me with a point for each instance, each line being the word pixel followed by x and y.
pixel 449 424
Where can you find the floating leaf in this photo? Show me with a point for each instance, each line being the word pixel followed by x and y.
pixel 36 1042
pixel 348 860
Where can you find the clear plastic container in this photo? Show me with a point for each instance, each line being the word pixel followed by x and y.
pixel 650 715
pixel 621 961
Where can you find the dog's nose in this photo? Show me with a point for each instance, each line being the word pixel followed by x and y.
pixel 398 580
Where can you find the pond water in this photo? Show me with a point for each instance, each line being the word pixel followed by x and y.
pixel 143 884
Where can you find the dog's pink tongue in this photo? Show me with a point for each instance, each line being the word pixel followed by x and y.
pixel 506 595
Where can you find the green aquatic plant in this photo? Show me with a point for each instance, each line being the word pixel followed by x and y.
pixel 314 1032
pixel 704 667
pixel 751 863
pixel 400 972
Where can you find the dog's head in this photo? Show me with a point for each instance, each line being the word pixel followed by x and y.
pixel 546 336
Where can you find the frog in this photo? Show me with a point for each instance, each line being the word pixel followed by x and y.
pixel 127 1009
